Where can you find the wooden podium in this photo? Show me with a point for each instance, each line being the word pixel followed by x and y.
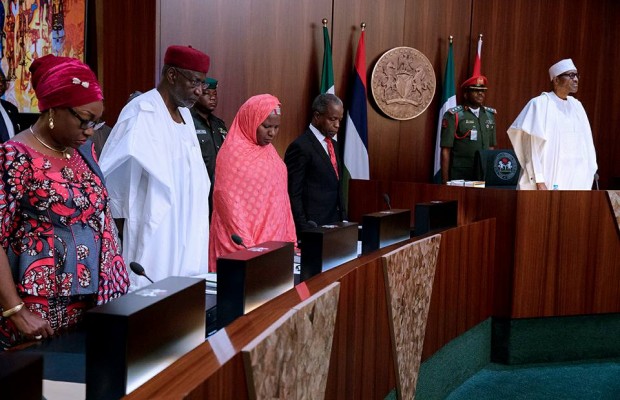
pixel 248 278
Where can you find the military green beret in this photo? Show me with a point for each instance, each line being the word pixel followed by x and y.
pixel 210 83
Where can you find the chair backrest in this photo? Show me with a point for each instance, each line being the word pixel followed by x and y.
pixel 498 168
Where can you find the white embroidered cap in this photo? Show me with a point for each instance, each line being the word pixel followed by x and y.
pixel 560 67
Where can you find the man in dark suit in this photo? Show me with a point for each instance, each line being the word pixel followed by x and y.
pixel 314 167
pixel 9 115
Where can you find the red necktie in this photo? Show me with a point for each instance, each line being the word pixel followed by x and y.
pixel 332 154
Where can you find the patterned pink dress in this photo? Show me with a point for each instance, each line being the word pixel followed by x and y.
pixel 58 234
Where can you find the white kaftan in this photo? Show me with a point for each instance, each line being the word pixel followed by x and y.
pixel 159 184
pixel 553 142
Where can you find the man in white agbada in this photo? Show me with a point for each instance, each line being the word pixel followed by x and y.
pixel 155 175
pixel 552 137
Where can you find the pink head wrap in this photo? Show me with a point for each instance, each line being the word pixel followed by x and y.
pixel 252 113
pixel 63 82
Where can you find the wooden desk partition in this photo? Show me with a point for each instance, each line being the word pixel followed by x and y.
pixel 409 272
pixel 556 252
pixel 361 363
pixel 567 258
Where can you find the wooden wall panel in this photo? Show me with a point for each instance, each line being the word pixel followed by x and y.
pixel 271 46
pixel 428 26
pixel 126 37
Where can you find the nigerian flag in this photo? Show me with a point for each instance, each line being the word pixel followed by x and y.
pixel 448 101
pixel 327 78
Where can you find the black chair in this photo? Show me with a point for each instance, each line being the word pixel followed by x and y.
pixel 498 168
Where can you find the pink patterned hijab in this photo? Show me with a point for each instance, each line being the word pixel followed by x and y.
pixel 250 196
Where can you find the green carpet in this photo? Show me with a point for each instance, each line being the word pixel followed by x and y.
pixel 566 381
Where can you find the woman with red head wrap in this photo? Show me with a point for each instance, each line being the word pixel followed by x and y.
pixel 250 197
pixel 60 252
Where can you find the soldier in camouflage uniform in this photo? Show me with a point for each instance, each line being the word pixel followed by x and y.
pixel 466 129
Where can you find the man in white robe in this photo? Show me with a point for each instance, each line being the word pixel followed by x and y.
pixel 155 175
pixel 552 137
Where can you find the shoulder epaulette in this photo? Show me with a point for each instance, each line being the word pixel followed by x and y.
pixel 455 110
pixel 489 109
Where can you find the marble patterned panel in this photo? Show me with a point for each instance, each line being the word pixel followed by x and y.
pixel 409 273
pixel 290 360
pixel 614 199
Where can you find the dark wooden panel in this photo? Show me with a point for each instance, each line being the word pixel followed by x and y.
pixel 556 252
pixel 463 287
pixel 126 51
pixel 428 26
pixel 362 338
pixel 569 262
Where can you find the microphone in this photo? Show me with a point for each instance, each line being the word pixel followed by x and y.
pixel 237 239
pixel 596 181
pixel 139 270
pixel 386 198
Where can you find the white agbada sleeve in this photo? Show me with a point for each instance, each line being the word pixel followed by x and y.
pixel 587 135
pixel 528 135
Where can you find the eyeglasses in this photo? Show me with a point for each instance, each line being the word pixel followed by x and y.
pixel 86 123
pixel 571 75
pixel 194 82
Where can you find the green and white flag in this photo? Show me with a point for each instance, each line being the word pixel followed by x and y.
pixel 327 78
pixel 448 101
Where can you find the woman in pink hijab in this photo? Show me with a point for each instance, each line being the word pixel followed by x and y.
pixel 250 196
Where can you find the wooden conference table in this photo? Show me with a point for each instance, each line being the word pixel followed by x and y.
pixel 513 254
